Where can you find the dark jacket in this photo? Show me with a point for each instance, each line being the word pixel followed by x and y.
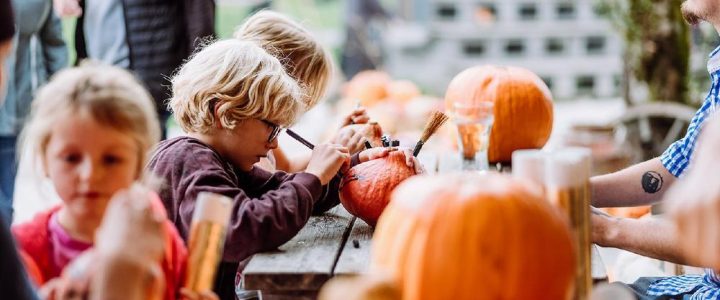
pixel 268 209
pixel 160 35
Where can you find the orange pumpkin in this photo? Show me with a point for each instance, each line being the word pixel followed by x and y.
pixel 523 106
pixel 370 87
pixel 468 236
pixel 365 188
pixel 629 212
pixel 402 91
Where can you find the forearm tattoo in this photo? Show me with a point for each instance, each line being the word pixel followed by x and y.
pixel 651 182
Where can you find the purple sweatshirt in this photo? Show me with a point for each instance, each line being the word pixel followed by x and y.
pixel 269 209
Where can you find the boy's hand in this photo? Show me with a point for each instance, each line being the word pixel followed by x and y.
pixel 357 116
pixel 326 160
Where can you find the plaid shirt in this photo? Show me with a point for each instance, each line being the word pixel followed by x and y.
pixel 677 157
pixel 676 160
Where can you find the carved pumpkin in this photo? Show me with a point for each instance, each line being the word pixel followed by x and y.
pixel 523 106
pixel 365 188
pixel 370 87
pixel 468 236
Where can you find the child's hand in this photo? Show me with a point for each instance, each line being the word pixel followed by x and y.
pixel 67 8
pixel 380 152
pixel 129 217
pixel 326 160
pixel 63 288
pixel 353 137
pixel 204 295
pixel 357 116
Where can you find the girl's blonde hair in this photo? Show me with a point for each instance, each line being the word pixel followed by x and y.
pixel 235 80
pixel 300 53
pixel 111 95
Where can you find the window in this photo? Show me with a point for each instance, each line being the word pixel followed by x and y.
pixel 548 81
pixel 585 85
pixel 515 47
pixel 474 48
pixel 528 11
pixel 554 46
pixel 446 11
pixel 485 13
pixel 617 82
pixel 565 10
pixel 595 45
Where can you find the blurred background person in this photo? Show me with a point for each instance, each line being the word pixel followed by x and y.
pixel 361 49
pixel 39 52
pixel 149 37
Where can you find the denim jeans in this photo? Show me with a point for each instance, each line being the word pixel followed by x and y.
pixel 8 170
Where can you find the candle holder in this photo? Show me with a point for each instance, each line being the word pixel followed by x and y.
pixel 473 122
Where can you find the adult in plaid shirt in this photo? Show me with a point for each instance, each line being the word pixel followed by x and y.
pixel 647 182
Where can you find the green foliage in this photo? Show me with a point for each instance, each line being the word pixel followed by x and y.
pixel 657 44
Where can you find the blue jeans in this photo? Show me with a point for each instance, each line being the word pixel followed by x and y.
pixel 8 170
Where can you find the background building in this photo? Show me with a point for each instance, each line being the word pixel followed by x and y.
pixel 572 48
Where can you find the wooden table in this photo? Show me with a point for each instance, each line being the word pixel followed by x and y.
pixel 335 243
pixel 331 244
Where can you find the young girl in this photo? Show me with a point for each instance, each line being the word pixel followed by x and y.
pixel 91 129
pixel 233 99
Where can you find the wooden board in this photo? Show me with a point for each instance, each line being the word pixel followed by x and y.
pixel 355 256
pixel 304 263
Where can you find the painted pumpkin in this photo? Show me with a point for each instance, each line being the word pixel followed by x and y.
pixel 468 236
pixel 523 107
pixel 370 87
pixel 365 188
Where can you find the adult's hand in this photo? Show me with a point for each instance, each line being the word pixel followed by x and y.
pixel 694 202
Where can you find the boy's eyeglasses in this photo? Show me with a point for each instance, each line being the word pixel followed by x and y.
pixel 275 130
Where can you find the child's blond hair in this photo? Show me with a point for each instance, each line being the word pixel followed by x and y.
pixel 301 54
pixel 235 80
pixel 110 95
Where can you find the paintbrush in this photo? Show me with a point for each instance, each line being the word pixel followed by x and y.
pixel 300 139
pixel 436 120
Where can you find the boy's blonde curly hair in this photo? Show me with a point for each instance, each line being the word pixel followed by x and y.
pixel 235 80
pixel 300 53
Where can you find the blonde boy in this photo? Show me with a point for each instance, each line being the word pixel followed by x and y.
pixel 304 58
pixel 233 98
